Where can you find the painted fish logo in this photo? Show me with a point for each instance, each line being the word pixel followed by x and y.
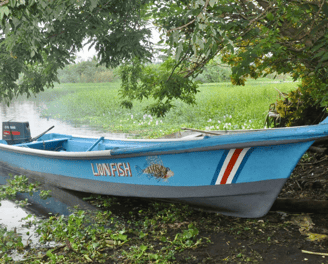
pixel 156 169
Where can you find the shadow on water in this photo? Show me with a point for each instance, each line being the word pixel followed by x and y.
pixel 61 201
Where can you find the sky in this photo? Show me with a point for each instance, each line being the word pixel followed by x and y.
pixel 85 53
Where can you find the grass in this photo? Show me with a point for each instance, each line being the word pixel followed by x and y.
pixel 219 106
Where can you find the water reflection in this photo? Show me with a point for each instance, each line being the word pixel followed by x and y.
pixel 12 220
pixel 28 110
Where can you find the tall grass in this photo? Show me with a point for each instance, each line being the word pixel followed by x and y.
pixel 219 106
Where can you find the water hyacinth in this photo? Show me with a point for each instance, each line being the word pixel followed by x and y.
pixel 216 108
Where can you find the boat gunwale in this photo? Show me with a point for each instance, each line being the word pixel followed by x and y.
pixel 267 137
pixel 187 138
pixel 108 153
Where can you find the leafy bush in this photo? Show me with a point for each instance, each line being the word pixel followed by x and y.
pixel 305 105
pixel 86 72
pixel 214 72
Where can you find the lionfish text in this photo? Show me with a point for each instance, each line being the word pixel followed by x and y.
pixel 112 169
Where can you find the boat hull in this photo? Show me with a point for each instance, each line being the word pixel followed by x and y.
pixel 251 200
pixel 237 175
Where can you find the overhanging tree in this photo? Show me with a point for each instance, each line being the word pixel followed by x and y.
pixel 255 37
pixel 39 37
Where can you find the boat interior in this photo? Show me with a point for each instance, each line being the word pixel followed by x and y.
pixel 67 143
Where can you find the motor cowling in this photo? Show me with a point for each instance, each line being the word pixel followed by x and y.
pixel 16 132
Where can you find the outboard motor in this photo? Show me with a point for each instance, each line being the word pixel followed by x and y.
pixel 16 132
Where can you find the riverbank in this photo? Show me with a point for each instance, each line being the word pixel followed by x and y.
pixel 219 106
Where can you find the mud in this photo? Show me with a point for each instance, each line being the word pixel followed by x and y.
pixel 278 237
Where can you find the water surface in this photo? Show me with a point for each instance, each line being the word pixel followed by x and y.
pixel 30 110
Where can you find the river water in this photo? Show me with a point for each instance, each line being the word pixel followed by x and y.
pixel 30 110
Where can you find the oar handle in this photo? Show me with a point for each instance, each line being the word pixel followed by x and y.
pixel 95 144
pixel 35 138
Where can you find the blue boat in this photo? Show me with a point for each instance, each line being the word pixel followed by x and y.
pixel 237 174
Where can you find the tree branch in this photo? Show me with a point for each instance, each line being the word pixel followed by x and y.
pixel 192 21
pixel 176 66
pixel 251 23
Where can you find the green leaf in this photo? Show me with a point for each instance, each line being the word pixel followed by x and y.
pixel 49 253
pixel 212 2
pixel 319 54
pixel 95 245
pixel 270 16
pixel 4 10
pixel 178 52
pixel 143 248
pixel 315 48
pixel 93 4
pixel 325 57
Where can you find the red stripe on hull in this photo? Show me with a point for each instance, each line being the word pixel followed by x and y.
pixel 230 165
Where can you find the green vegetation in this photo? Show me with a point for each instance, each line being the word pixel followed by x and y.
pixel 215 72
pixel 255 38
pixel 86 72
pixel 151 232
pixel 90 72
pixel 19 184
pixel 141 236
pixel 218 106
pixel 131 230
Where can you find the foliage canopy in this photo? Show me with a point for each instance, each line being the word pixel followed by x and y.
pixel 255 37
pixel 39 37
